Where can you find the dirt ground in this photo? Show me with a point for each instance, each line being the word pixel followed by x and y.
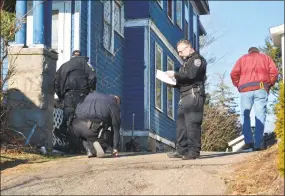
pixel 257 175
pixel 129 174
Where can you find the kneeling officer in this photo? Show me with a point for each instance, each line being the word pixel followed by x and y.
pixel 93 116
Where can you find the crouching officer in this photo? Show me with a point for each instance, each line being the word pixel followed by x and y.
pixel 73 81
pixel 190 80
pixel 93 116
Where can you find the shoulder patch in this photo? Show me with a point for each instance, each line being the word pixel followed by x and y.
pixel 197 62
pixel 90 66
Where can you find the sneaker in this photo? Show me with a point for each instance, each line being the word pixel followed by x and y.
pixel 175 154
pixel 99 150
pixel 247 147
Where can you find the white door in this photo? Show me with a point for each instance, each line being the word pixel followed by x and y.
pixel 61 30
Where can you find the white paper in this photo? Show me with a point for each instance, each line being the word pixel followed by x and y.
pixel 164 77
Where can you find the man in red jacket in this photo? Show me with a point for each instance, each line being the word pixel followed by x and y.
pixel 254 74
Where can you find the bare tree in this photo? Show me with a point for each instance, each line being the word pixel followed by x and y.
pixel 221 122
pixel 10 25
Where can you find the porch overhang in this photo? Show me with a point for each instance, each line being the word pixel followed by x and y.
pixel 276 34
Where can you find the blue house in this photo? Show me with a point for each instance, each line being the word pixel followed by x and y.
pixel 127 41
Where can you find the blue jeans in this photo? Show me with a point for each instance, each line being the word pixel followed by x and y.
pixel 258 98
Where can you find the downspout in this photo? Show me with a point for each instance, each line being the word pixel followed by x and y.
pixel 89 31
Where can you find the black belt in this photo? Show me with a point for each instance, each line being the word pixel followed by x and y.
pixel 190 91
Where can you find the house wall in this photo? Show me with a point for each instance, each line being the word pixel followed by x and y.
pixel 170 29
pixel 136 9
pixel 134 81
pixel 109 67
pixel 160 123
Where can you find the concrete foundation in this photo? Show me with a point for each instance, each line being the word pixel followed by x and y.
pixel 31 92
pixel 145 143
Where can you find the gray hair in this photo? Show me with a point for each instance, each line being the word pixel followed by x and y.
pixel 184 41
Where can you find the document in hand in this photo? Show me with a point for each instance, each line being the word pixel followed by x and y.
pixel 161 75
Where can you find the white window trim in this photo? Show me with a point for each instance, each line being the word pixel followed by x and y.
pixel 171 117
pixel 181 13
pixel 112 27
pixel 161 101
pixel 160 3
pixel 171 19
pixel 122 18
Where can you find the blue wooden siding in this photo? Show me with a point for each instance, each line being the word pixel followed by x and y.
pixel 161 124
pixel 135 9
pixel 83 27
pixel 170 30
pixel 133 101
pixel 109 67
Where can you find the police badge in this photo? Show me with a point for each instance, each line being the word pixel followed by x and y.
pixel 197 62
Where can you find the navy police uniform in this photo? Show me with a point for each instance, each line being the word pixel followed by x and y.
pixel 93 116
pixel 73 81
pixel 190 80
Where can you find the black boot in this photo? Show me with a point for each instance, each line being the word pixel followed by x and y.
pixel 191 156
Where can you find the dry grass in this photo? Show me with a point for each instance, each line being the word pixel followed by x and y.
pixel 259 175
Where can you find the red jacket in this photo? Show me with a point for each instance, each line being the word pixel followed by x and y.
pixel 252 69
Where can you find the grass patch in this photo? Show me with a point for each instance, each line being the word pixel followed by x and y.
pixel 9 160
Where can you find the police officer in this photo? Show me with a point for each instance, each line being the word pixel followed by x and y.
pixel 73 81
pixel 190 80
pixel 93 116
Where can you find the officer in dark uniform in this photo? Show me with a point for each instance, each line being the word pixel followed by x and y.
pixel 73 81
pixel 190 80
pixel 93 117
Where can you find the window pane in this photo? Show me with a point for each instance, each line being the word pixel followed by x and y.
pixel 179 13
pixel 107 36
pixel 158 59
pixel 117 18
pixel 158 94
pixel 170 91
pixel 186 29
pixel 169 8
pixel 107 11
pixel 170 102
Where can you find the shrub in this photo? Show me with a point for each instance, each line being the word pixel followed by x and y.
pixel 279 127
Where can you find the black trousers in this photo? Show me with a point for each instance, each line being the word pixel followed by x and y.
pixel 71 99
pixel 89 133
pixel 188 124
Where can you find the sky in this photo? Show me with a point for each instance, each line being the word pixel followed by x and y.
pixel 239 25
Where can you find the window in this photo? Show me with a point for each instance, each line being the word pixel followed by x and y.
pixel 108 36
pixel 187 4
pixel 170 11
pixel 170 92
pixel 186 29
pixel 179 13
pixel 160 2
pixel 195 29
pixel 119 18
pixel 194 41
pixel 54 28
pixel 158 83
